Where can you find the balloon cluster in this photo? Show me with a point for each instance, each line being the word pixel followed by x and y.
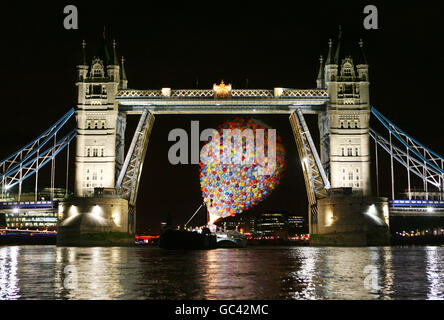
pixel 233 187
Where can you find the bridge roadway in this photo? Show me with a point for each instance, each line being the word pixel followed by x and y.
pixel 251 101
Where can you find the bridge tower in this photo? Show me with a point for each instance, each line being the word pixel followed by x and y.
pixel 95 215
pixel 97 113
pixel 349 215
pixel 348 116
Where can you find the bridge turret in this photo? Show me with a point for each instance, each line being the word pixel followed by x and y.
pixel 123 79
pixel 113 69
pixel 320 81
pixel 362 66
pixel 331 67
pixel 82 67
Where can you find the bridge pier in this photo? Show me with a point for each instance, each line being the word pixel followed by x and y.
pixel 351 220
pixel 98 221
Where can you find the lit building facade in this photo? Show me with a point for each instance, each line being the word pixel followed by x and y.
pixel 100 126
pixel 348 157
pixel 266 224
pixel 32 215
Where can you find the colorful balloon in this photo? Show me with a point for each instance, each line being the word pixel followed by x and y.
pixel 228 187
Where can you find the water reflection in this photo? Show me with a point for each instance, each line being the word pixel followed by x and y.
pixel 49 272
pixel 8 273
pixel 435 274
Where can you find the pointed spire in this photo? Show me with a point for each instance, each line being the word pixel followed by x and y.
pixel 320 80
pixel 103 52
pixel 115 59
pixel 329 60
pixel 321 68
pixel 338 47
pixel 122 70
pixel 83 61
pixel 362 58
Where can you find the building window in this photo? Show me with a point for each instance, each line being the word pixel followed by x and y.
pixel 356 124
pixel 350 176
pixel 348 124
pixel 102 154
pixel 103 124
pixel 95 152
pixel 343 151
pixel 96 90
pixel 94 177
pixel 88 152
pixel 357 151
pixel 350 151
pixel 342 124
pixel 88 124
pixel 97 70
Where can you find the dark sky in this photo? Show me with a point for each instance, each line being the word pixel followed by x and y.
pixel 270 43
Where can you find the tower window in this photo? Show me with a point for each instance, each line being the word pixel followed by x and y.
pixel 343 151
pixel 103 124
pixel 95 152
pixel 348 124
pixel 96 89
pixel 88 124
pixel 357 151
pixel 342 124
pixel 350 151
pixel 348 89
pixel 88 152
pixel 350 176
pixel 97 70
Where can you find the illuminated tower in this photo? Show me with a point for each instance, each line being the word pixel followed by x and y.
pixel 97 119
pixel 348 117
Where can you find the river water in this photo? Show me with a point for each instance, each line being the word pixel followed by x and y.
pixel 50 272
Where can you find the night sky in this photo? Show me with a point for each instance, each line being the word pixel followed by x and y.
pixel 274 44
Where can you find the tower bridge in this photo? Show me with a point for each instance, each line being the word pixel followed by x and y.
pixel 342 210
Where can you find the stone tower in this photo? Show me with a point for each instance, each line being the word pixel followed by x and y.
pixel 99 126
pixel 348 158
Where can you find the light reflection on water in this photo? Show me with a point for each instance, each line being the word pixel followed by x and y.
pixel 39 272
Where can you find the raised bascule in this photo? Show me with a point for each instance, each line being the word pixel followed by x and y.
pixel 341 207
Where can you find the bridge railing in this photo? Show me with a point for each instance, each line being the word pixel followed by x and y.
pixel 167 93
